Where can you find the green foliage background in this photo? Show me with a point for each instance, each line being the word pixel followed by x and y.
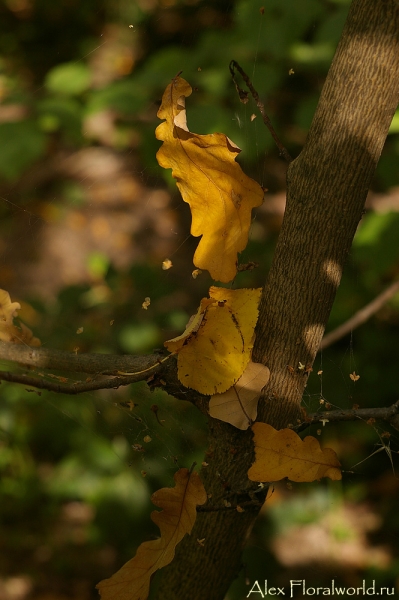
pixel 76 474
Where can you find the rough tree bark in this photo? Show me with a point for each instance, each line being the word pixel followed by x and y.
pixel 326 190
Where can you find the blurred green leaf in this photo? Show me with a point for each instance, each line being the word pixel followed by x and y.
pixel 61 113
pixel 376 247
pixel 312 53
pixel 97 265
pixel 70 79
pixel 373 228
pixel 394 128
pixel 127 97
pixel 139 338
pixel 22 142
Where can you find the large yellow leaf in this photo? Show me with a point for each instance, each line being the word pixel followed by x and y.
pixel 132 581
pixel 239 404
pixel 10 332
pixel 220 195
pixel 280 454
pixel 217 344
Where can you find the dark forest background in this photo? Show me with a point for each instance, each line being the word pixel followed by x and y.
pixel 87 219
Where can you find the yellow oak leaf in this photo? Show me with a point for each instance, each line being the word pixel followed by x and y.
pixel 239 404
pixel 10 332
pixel 219 193
pixel 132 581
pixel 280 454
pixel 217 344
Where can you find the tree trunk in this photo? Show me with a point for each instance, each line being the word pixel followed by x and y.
pixel 326 190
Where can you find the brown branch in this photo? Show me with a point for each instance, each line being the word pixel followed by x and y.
pixel 126 369
pixel 389 414
pixel 74 388
pixel 361 316
pixel 244 99
pixel 158 370
pixel 105 364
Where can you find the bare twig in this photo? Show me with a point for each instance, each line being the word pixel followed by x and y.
pixel 73 388
pixel 110 371
pixel 361 316
pixel 106 364
pixel 139 368
pixel 244 99
pixel 389 414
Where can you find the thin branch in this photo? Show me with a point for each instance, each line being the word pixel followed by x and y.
pixel 389 414
pixel 157 370
pixel 361 316
pixel 244 99
pixel 74 388
pixel 125 369
pixel 106 364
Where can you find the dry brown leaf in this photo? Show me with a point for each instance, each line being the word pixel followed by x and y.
pixel 280 454
pixel 217 344
pixel 10 332
pixel 239 404
pixel 132 581
pixel 220 195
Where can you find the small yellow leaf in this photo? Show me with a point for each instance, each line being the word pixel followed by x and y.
pixel 10 332
pixel 216 346
pixel 132 581
pixel 220 195
pixel 354 376
pixel 146 303
pixel 79 330
pixel 167 264
pixel 239 404
pixel 280 454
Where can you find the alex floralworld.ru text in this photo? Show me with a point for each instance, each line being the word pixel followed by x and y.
pixel 298 586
